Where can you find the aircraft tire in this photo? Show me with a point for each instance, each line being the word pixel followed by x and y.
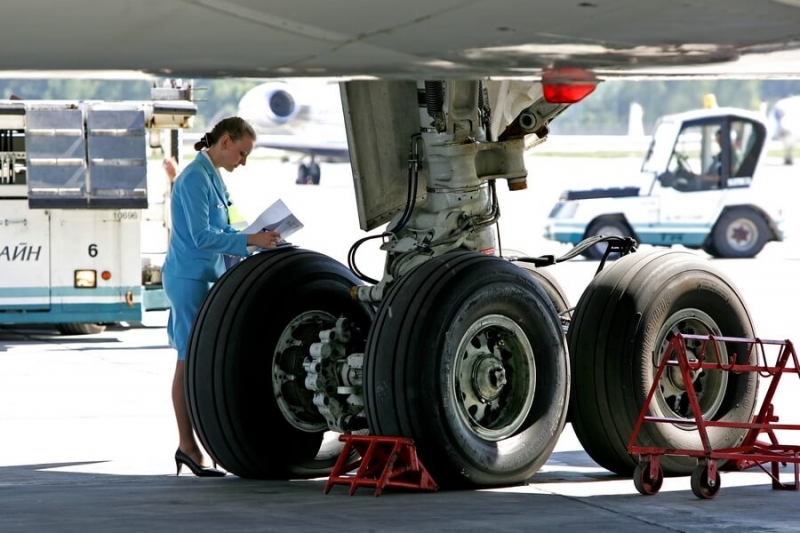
pixel 554 291
pixel 618 334
pixel 314 173
pixel 303 177
pixel 233 360
pixel 753 228
pixel 550 285
pixel 80 328
pixel 469 332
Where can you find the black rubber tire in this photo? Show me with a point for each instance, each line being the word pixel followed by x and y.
pixel 708 247
pixel 314 173
pixel 229 362
pixel 620 228
pixel 303 177
pixel 80 328
pixel 748 222
pixel 556 294
pixel 411 350
pixel 612 341
pixel 550 285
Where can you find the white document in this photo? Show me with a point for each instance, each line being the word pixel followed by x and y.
pixel 276 217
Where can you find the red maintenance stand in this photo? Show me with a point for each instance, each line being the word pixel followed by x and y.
pixel 705 482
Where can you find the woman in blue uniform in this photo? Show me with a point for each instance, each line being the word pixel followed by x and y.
pixel 201 235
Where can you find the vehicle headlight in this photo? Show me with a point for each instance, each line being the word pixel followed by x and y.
pixel 85 279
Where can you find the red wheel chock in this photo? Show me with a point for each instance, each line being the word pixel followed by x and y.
pixel 383 462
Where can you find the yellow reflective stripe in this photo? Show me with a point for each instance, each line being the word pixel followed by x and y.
pixel 235 218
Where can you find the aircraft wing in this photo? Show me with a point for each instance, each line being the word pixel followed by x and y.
pixel 307 145
pixel 410 39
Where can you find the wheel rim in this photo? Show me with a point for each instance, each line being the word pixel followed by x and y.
pixel 494 378
pixel 295 401
pixel 609 230
pixel 709 385
pixel 742 234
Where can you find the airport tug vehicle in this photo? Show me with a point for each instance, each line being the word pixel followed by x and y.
pixel 703 184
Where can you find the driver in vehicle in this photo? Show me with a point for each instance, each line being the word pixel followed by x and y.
pixel 712 178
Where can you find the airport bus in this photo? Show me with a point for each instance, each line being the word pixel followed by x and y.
pixel 75 206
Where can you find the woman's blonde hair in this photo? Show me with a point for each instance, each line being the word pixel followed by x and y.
pixel 236 127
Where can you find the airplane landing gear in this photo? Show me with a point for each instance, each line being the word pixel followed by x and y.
pixel 308 174
pixel 466 353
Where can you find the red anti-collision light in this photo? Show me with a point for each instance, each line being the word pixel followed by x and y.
pixel 567 85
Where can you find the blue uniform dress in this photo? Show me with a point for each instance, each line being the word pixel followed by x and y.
pixel 200 236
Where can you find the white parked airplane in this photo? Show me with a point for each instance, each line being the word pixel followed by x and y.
pixel 784 120
pixel 299 115
pixel 461 351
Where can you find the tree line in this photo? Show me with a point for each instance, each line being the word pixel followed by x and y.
pixel 603 112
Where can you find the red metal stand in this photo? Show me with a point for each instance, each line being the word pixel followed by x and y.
pixel 383 462
pixel 751 452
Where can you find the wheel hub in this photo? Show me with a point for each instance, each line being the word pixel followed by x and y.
pixel 494 377
pixel 295 401
pixel 742 233
pixel 709 385
pixel 675 377
pixel 489 378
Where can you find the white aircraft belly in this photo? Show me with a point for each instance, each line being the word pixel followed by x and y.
pixel 460 38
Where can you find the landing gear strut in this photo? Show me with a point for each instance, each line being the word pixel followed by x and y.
pixel 454 347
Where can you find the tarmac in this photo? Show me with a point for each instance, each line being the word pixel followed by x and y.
pixel 87 432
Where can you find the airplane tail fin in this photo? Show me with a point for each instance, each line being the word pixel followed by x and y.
pixel 635 120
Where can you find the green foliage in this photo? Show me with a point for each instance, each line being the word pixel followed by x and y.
pixel 215 99
pixel 606 110
pixel 603 112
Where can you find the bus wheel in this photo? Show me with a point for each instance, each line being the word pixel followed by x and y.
pixel 80 328
pixel 620 330
pixel 466 357
pixel 245 378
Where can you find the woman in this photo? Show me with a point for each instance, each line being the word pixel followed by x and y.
pixel 201 235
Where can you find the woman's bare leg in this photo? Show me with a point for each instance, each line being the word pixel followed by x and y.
pixel 187 442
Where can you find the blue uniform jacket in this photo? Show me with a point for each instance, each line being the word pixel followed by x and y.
pixel 200 229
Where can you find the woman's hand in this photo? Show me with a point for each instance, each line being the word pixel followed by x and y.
pixel 264 239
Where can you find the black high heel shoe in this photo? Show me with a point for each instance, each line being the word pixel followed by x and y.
pixel 198 470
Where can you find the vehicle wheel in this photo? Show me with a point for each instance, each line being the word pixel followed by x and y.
pixel 606 227
pixel 303 177
pixel 644 483
pixel 621 328
pixel 551 287
pixel 314 174
pixel 702 486
pixel 466 357
pixel 709 248
pixel 80 328
pixel 740 233
pixel 244 367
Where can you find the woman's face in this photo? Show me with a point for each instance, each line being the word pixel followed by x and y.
pixel 235 152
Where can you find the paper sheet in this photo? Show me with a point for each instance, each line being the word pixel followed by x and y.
pixel 276 217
